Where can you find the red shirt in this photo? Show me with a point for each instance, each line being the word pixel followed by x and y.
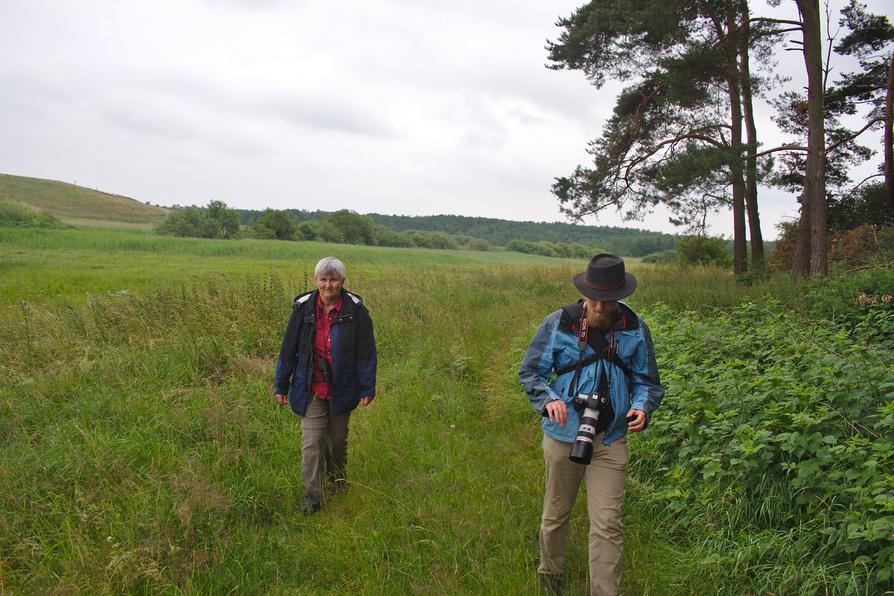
pixel 323 347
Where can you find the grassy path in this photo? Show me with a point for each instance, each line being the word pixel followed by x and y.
pixel 142 451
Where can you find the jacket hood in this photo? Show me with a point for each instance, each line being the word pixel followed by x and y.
pixel 311 297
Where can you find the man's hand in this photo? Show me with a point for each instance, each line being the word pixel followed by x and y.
pixel 365 401
pixel 557 411
pixel 636 420
pixel 281 399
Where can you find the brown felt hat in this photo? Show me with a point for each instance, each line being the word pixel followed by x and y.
pixel 605 279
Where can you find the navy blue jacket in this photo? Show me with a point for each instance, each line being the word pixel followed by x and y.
pixel 353 354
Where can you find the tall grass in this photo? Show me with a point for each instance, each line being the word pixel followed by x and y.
pixel 15 215
pixel 142 451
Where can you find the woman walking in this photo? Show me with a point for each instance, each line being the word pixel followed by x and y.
pixel 326 368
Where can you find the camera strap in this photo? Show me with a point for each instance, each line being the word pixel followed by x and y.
pixel 604 350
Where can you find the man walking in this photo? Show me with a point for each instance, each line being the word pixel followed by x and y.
pixel 606 384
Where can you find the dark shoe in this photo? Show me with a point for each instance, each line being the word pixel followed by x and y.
pixel 309 507
pixel 551 584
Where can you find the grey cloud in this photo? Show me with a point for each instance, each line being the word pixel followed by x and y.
pixel 143 121
pixel 330 114
pixel 304 110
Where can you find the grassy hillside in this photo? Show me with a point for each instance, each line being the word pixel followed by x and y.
pixel 75 204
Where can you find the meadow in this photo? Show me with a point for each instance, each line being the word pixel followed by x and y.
pixel 142 451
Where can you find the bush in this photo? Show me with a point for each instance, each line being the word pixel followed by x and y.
pixel 703 250
pixel 330 233
pixel 263 233
pixel 214 221
pixel 478 244
pixel 862 245
pixel 273 223
pixel 867 206
pixel 552 249
pixel 353 228
pixel 781 257
pixel 665 257
pixel 308 230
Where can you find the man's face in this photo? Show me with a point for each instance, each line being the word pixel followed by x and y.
pixel 330 287
pixel 600 312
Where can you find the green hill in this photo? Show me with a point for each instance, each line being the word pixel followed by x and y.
pixel 76 204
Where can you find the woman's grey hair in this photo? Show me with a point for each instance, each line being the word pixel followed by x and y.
pixel 330 266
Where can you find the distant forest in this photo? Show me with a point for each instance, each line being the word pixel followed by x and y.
pixel 500 232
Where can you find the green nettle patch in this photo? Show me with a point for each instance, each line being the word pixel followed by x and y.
pixel 776 437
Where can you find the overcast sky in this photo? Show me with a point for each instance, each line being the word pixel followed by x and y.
pixel 388 106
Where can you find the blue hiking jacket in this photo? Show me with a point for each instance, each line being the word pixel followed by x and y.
pixel 353 354
pixel 555 346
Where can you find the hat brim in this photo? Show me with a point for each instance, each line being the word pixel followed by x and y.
pixel 613 294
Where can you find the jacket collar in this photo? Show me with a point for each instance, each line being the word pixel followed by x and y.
pixel 349 302
pixel 625 318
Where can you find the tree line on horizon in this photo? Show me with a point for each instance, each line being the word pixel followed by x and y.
pixel 216 220
pixel 683 132
pixel 555 236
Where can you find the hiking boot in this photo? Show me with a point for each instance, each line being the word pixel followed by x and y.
pixel 309 507
pixel 338 486
pixel 551 584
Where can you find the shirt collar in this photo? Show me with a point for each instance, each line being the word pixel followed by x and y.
pixel 322 311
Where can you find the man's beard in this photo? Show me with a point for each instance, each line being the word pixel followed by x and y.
pixel 600 320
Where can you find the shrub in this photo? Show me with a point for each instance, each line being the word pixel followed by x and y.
pixel 308 230
pixel 352 227
pixel 664 257
pixel 703 250
pixel 781 257
pixel 214 221
pixel 867 206
pixel 273 223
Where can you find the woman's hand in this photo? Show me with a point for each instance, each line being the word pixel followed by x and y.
pixel 282 399
pixel 365 401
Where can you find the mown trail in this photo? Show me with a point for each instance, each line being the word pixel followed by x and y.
pixel 142 450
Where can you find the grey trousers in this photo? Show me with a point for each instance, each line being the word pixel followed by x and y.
pixel 604 479
pixel 324 447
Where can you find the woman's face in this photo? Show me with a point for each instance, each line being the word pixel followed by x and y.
pixel 330 287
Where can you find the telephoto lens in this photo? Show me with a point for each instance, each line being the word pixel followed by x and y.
pixel 582 449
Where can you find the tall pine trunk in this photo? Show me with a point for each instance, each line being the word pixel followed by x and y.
pixel 801 258
pixel 751 206
pixel 812 229
pixel 889 137
pixel 816 138
pixel 735 160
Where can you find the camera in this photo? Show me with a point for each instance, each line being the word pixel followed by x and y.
pixel 323 367
pixel 595 414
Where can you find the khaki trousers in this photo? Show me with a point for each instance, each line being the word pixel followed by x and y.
pixel 324 446
pixel 604 479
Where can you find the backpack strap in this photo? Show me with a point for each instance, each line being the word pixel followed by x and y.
pixel 596 340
